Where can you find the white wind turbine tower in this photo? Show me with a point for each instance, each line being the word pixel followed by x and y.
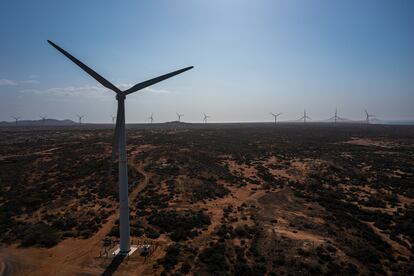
pixel 151 118
pixel 80 117
pixel 179 116
pixel 205 117
pixel 16 119
pixel 368 116
pixel 275 115
pixel 119 142
pixel 304 117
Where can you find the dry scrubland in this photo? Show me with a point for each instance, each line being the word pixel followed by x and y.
pixel 243 200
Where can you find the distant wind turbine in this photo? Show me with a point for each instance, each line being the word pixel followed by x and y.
pixel 43 119
pixel 336 117
pixel 304 117
pixel 151 118
pixel 113 119
pixel 16 119
pixel 368 116
pixel 80 117
pixel 119 142
pixel 179 116
pixel 275 115
pixel 205 117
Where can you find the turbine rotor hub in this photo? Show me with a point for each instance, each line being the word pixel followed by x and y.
pixel 120 96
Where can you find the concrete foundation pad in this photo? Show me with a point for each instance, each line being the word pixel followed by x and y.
pixel 117 252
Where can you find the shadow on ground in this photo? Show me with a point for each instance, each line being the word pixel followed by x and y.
pixel 113 266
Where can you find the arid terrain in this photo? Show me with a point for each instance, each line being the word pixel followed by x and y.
pixel 216 199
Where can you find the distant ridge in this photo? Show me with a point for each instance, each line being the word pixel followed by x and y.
pixel 47 122
pixel 175 122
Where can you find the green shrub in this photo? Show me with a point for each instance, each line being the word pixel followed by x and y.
pixel 151 233
pixel 214 258
pixel 40 234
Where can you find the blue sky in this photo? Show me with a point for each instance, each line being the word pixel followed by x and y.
pixel 250 58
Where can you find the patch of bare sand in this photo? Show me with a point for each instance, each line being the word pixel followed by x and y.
pixel 141 148
pixel 236 197
pixel 370 142
pixel 43 152
pixel 398 249
pixel 296 170
pixel 300 235
pixel 241 169
pixel 11 264
pixel 388 210
pixel 405 200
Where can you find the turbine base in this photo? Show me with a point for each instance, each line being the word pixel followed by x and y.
pixel 117 251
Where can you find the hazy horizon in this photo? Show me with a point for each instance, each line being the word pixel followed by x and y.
pixel 250 58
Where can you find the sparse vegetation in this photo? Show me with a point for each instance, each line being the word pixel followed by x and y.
pixel 225 201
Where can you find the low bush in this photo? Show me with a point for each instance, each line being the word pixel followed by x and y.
pixel 40 234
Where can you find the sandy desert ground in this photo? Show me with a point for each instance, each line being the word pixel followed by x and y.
pixel 252 199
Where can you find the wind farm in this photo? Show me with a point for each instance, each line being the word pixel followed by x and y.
pixel 281 141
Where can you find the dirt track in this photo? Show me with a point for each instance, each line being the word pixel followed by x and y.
pixel 71 256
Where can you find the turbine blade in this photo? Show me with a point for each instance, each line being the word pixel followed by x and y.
pixel 147 83
pixel 88 70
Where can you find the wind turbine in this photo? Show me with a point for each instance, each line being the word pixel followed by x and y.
pixel 336 117
pixel 80 117
pixel 113 119
pixel 205 117
pixel 43 119
pixel 119 142
pixel 151 118
pixel 179 116
pixel 275 115
pixel 16 119
pixel 305 116
pixel 368 116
